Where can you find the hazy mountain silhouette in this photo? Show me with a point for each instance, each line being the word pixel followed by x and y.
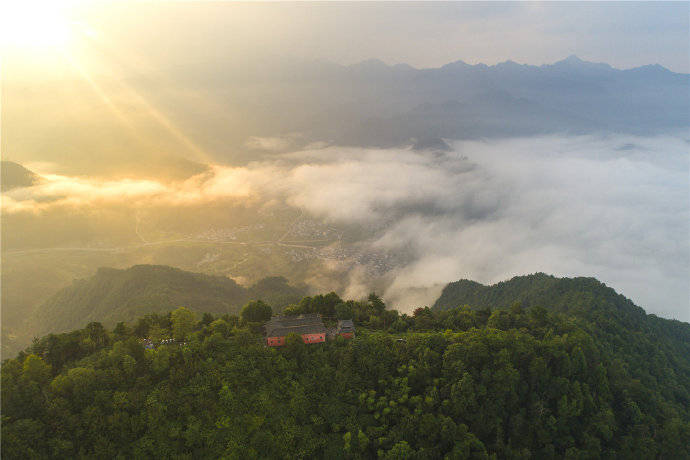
pixel 15 175
pixel 374 104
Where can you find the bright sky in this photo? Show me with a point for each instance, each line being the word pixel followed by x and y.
pixel 624 34
pixel 72 69
pixel 64 58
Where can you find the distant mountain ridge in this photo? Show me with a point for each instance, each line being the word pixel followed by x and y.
pixel 373 104
pixel 570 62
pixel 387 105
pixel 113 295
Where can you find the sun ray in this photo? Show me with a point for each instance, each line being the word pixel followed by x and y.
pixel 166 123
pixel 100 92
pixel 97 41
pixel 36 29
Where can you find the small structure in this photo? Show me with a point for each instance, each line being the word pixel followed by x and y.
pixel 309 326
pixel 345 329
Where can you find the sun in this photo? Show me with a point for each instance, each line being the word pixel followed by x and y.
pixel 34 24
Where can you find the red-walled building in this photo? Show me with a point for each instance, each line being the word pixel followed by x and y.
pixel 310 327
pixel 346 328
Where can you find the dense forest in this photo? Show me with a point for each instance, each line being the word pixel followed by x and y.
pixel 461 382
pixel 114 295
pixel 562 294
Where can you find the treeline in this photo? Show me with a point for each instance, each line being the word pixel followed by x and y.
pixel 460 383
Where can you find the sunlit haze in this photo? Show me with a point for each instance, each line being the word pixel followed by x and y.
pixel 348 147
pixel 345 230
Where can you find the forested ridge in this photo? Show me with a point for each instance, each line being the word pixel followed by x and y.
pixel 579 294
pixel 113 295
pixel 526 381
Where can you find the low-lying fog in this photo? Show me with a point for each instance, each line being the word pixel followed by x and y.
pixel 616 208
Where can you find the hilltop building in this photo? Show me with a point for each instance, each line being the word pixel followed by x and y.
pixel 309 326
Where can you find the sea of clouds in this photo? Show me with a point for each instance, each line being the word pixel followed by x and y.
pixel 613 207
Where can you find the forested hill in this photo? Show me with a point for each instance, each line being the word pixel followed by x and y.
pixel 457 383
pixel 585 298
pixel 652 349
pixel 539 289
pixel 114 295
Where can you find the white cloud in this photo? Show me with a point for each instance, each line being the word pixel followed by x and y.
pixel 616 208
pixel 578 206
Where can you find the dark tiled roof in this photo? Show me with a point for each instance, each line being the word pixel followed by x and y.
pixel 280 326
pixel 345 325
pixel 295 320
pixel 283 331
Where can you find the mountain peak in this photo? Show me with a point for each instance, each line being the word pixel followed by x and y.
pixel 508 63
pixel 560 294
pixel 573 59
pixel 456 64
pixel 369 64
pixel 574 63
pixel 650 69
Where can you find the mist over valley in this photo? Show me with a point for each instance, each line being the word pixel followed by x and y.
pixel 407 221
pixel 366 230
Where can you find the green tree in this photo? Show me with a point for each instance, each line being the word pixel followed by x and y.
pixel 183 322
pixel 121 331
pixel 400 451
pixel 35 369
pixel 376 303
pixel 256 312
pixel 156 333
pixel 219 326
pixel 207 319
pixel 343 311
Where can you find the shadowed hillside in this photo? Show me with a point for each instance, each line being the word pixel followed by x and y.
pixel 113 295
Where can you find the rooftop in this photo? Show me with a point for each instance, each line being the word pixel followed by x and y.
pixel 280 326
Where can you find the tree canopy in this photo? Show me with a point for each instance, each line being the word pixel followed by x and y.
pixel 521 382
pixel 256 311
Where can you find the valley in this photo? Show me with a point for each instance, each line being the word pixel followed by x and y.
pixel 305 251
